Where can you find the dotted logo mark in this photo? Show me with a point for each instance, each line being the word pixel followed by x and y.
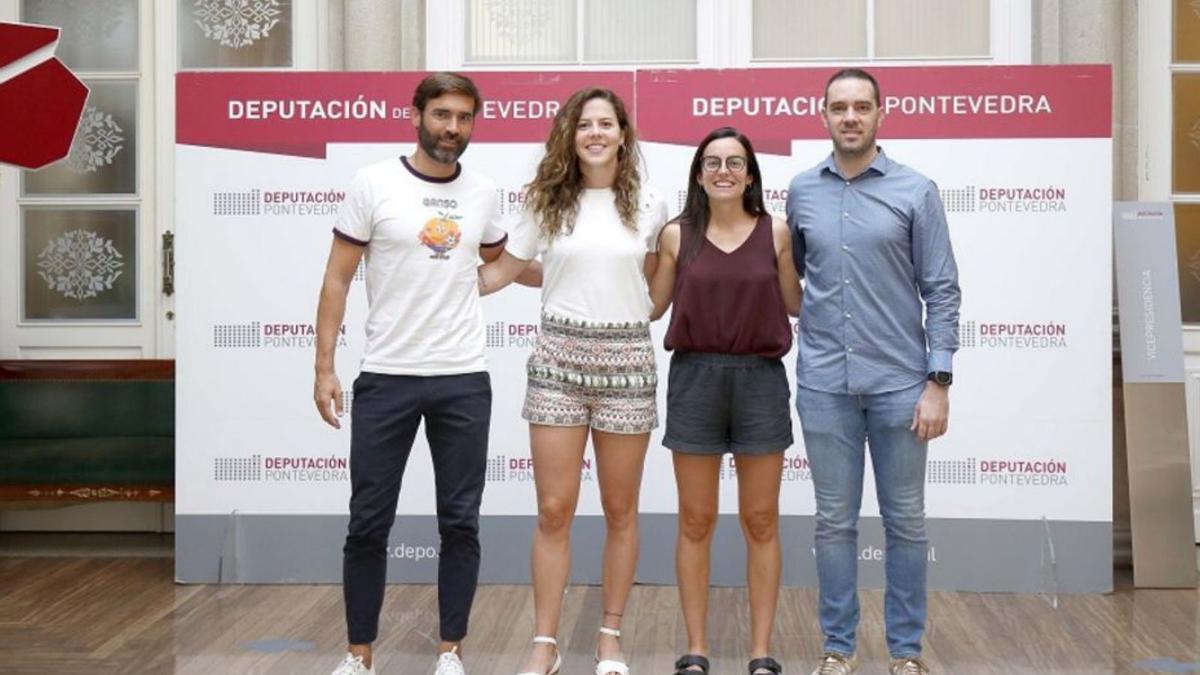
pixel 237 334
pixel 952 471
pixel 238 468
pixel 495 334
pixel 968 334
pixel 237 203
pixel 959 200
pixel 495 468
pixel 506 208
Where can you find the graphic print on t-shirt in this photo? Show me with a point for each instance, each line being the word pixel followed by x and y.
pixel 441 234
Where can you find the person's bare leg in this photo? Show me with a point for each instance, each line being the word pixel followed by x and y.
pixel 619 462
pixel 361 650
pixel 557 457
pixel 697 480
pixel 758 509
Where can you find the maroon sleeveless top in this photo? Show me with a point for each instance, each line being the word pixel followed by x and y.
pixel 730 303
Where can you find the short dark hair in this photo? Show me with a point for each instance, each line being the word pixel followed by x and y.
pixel 440 84
pixel 855 74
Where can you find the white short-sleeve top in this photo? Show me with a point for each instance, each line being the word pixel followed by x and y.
pixel 422 236
pixel 595 272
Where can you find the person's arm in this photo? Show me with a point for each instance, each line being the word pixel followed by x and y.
pixel 649 265
pixel 490 252
pixel 799 246
pixel 516 257
pixel 662 285
pixel 937 281
pixel 789 281
pixel 344 257
pixel 500 272
pixel 532 275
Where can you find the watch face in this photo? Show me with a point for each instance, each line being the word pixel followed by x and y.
pixel 943 378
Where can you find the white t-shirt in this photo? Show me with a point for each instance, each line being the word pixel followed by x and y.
pixel 595 272
pixel 422 236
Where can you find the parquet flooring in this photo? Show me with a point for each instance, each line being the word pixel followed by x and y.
pixel 126 615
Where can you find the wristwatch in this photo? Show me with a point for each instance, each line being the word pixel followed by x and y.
pixel 941 377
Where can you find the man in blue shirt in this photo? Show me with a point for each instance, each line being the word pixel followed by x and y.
pixel 878 330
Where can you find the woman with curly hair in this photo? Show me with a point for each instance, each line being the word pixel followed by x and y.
pixel 592 370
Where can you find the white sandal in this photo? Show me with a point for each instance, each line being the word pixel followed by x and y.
pixel 608 665
pixel 546 640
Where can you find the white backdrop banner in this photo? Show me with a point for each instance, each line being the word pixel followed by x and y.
pixel 1019 491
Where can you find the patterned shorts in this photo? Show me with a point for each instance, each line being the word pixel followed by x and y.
pixel 601 375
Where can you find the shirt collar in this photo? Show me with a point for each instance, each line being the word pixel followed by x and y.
pixel 879 165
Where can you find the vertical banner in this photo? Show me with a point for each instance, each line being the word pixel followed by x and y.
pixel 1019 492
pixel 1160 476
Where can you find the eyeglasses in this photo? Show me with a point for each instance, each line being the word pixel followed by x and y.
pixel 735 164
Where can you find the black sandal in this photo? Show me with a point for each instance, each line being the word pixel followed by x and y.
pixel 687 661
pixel 765 663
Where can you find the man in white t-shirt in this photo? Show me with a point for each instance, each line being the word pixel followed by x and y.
pixel 423 223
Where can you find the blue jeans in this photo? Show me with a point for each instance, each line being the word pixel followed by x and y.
pixel 836 427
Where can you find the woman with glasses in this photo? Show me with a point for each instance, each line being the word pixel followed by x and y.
pixel 727 266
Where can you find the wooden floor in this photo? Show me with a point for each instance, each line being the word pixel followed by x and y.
pixel 125 615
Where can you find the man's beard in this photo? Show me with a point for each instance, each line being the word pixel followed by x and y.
pixel 429 143
pixel 866 144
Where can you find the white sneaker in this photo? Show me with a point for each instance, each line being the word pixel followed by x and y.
pixel 449 663
pixel 353 665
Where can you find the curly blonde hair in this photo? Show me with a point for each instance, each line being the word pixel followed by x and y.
pixel 553 195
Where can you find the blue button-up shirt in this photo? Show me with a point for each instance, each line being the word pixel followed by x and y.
pixel 871 249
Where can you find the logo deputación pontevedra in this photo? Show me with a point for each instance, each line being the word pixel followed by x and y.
pixel 257 334
pixel 302 469
pixel 1005 199
pixel 506 334
pixel 266 202
pixel 505 469
pixel 1012 335
pixel 1023 472
pixel 1016 472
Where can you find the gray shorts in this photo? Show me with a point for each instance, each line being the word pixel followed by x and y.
pixel 719 403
